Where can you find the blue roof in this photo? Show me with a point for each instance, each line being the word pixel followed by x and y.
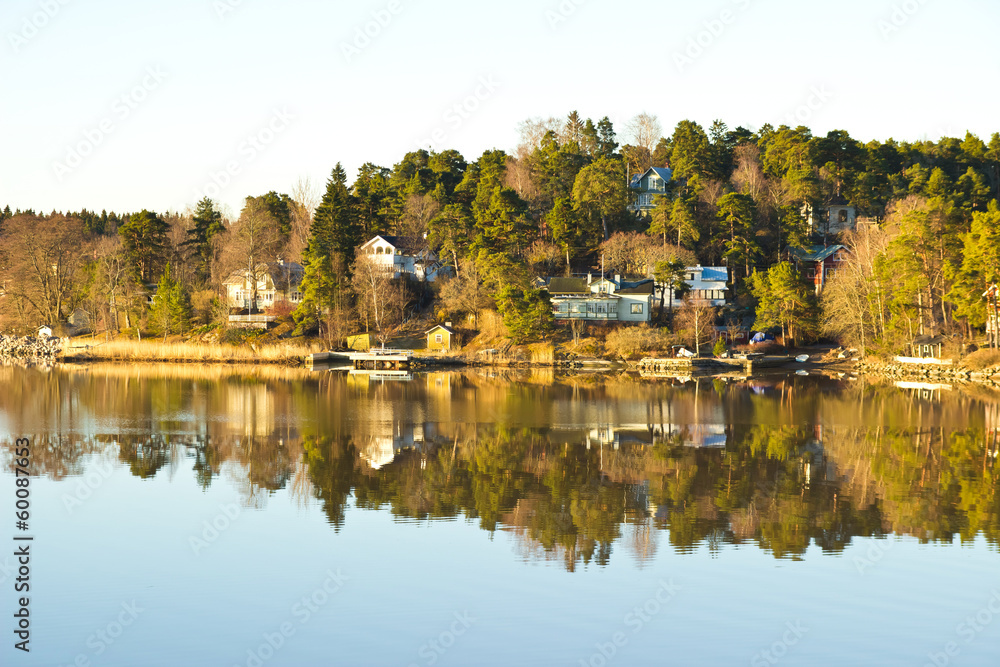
pixel 663 172
pixel 717 273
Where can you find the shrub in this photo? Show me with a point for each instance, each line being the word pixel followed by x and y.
pixel 981 359
pixel 629 342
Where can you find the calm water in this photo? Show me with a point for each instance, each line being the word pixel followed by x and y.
pixel 270 517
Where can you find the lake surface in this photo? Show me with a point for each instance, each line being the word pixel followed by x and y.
pixel 223 517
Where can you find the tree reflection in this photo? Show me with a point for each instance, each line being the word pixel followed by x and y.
pixel 569 470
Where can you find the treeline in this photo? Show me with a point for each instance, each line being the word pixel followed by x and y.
pixel 559 203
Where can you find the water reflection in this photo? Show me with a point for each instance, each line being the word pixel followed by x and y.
pixel 573 468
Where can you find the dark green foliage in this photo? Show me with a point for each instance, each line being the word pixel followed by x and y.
pixel 144 238
pixel 526 312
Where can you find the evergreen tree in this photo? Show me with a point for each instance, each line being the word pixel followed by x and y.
pixel 334 235
pixel 207 223
pixel 144 238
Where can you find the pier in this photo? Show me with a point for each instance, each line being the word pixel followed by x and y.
pixel 380 359
pixel 708 365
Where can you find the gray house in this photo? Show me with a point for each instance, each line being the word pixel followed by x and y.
pixel 646 186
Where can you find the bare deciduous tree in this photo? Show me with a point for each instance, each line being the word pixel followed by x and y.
pixel 252 241
pixel 644 131
pixel 381 298
pixel 40 264
pixel 695 321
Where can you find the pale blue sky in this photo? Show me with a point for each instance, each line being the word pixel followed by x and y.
pixel 200 76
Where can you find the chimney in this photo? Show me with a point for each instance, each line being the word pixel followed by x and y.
pixel 618 278
pixel 448 324
pixel 590 277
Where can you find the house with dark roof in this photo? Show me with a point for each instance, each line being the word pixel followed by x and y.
pixel 602 300
pixel 819 263
pixel 405 256
pixel 647 186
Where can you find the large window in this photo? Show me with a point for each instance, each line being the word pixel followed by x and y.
pixel 637 309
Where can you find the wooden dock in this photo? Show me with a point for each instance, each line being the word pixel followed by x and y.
pixel 379 359
pixel 688 366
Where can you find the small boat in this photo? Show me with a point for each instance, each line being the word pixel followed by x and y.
pixel 802 372
pixel 802 358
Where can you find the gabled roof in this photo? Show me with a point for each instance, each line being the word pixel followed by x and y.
pixel 439 326
pixel 816 253
pixel 663 172
pixel 282 275
pixel 409 245
pixel 568 286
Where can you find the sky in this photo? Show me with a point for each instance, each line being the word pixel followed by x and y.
pixel 124 105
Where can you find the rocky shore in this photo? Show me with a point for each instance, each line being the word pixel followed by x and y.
pixel 956 373
pixel 42 351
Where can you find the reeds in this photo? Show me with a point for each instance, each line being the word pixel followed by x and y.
pixel 195 353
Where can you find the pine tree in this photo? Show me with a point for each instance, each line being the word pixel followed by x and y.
pixel 334 235
pixel 144 237
pixel 207 223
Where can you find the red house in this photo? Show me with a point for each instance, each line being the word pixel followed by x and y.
pixel 818 263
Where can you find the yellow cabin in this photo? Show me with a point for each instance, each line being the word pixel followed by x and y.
pixel 439 338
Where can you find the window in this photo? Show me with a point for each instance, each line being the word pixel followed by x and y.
pixel 581 308
pixel 562 307
pixel 637 309
pixel 842 216
pixel 654 183
pixel 438 338
pixel 613 308
pixel 378 250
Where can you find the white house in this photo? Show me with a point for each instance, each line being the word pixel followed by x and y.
pixel 602 300
pixel 838 216
pixel 705 283
pixel 405 257
pixel 276 282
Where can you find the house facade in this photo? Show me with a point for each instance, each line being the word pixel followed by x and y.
pixel 404 257
pixel 602 300
pixel 276 282
pixel 705 283
pixel 836 217
pixel 439 338
pixel 647 186
pixel 819 264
